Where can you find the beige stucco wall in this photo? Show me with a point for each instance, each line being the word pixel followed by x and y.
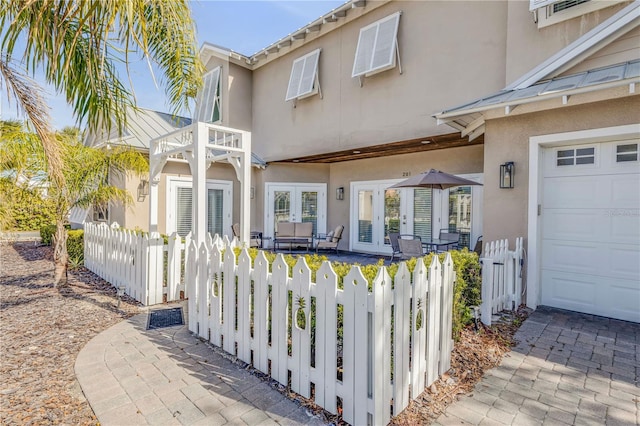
pixel 528 45
pixel 507 139
pixel 447 59
pixel 236 87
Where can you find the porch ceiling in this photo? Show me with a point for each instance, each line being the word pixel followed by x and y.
pixel 450 140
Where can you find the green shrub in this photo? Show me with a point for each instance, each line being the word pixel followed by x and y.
pixel 26 209
pixel 75 247
pixel 46 233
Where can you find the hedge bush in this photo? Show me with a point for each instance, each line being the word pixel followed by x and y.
pixel 46 234
pixel 75 243
pixel 26 208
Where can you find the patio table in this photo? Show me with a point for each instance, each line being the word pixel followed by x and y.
pixel 435 244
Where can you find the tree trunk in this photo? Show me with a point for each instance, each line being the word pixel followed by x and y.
pixel 60 255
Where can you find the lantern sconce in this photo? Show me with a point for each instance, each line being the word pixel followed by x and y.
pixel 507 170
pixel 143 189
pixel 340 193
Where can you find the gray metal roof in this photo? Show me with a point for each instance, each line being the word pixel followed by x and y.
pixel 557 86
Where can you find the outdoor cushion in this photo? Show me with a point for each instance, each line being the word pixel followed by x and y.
pixel 329 236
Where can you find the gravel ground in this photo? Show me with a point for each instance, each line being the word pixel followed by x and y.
pixel 42 330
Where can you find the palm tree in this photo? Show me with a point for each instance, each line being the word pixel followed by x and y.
pixel 87 173
pixel 78 44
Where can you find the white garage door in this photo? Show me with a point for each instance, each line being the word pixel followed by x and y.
pixel 591 229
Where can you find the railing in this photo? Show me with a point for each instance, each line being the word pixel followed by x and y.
pixel 501 278
pixel 362 349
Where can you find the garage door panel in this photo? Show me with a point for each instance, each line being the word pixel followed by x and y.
pixel 571 256
pixel 574 224
pixel 574 192
pixel 568 291
pixel 624 261
pixel 624 190
pixel 624 225
pixel 585 293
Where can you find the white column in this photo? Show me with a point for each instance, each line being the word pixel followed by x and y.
pixel 245 188
pixel 153 204
pixel 199 173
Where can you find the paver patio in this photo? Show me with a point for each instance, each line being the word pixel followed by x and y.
pixel 568 368
pixel 166 376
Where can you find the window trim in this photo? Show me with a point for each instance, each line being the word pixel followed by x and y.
pixel 315 86
pixel 370 70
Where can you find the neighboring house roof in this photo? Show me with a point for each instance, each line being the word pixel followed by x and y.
pixel 542 82
pixel 142 126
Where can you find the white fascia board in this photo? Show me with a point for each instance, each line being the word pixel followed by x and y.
pixel 538 4
pixel 628 17
pixel 523 101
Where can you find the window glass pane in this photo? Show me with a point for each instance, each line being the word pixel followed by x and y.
pixel 584 160
pixel 460 213
pixel 281 207
pixel 585 151
pixel 627 148
pixel 422 208
pixel 184 214
pixel 365 216
pixel 565 153
pixel 565 162
pixel 214 211
pixel 391 212
pixel 310 209
pixel 627 157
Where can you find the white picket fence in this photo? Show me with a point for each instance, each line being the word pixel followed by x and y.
pixel 150 271
pixel 251 311
pixel 501 277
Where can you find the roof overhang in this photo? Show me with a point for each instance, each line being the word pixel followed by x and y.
pixel 428 143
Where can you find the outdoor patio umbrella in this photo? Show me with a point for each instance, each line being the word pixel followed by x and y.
pixel 434 179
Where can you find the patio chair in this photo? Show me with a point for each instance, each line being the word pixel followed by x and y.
pixel 410 248
pixel 478 246
pixel 451 236
pixel 255 239
pixel 395 247
pixel 331 240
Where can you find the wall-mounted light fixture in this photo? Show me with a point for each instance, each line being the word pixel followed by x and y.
pixel 143 189
pixel 340 193
pixel 507 170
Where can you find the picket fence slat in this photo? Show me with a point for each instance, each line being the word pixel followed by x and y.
pixel 263 314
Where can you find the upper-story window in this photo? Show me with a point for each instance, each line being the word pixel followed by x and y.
pixel 303 81
pixel 377 47
pixel 549 12
pixel 208 100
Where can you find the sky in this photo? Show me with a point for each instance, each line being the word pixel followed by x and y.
pixel 240 25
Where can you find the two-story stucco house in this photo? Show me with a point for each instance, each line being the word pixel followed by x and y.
pixel 373 92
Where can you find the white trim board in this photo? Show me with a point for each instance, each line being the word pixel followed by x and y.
pixel 536 145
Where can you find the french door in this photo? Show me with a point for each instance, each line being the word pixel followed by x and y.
pixel 180 207
pixel 295 202
pixel 376 211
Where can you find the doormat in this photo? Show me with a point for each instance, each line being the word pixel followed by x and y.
pixel 165 318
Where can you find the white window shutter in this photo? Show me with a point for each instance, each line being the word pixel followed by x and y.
pixel 303 76
pixel 208 96
pixel 376 49
pixel 294 80
pixel 537 4
pixel 364 51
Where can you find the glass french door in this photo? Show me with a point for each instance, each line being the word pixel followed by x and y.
pixel 376 210
pixel 459 209
pixel 219 207
pixel 288 202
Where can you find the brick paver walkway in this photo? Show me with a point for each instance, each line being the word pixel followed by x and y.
pixel 134 376
pixel 568 368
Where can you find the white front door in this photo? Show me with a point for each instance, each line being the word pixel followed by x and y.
pixel 180 211
pixel 590 216
pixel 295 202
